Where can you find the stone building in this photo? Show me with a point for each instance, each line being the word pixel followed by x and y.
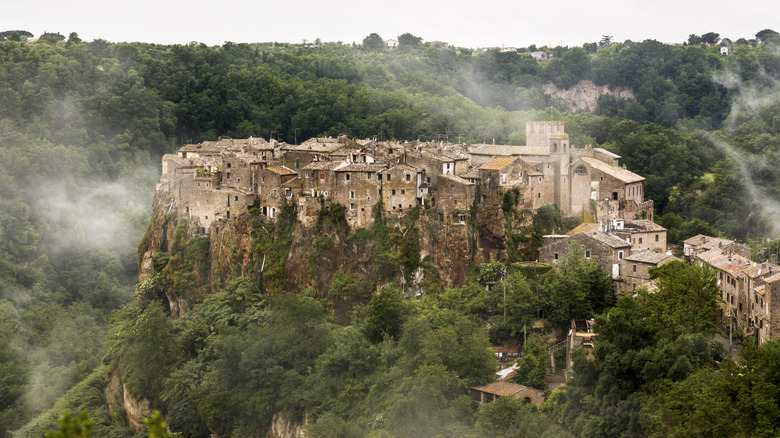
pixel 357 187
pixel 641 234
pixel 492 391
pixel 216 180
pixel 453 199
pixel 635 269
pixel 399 188
pixel 605 250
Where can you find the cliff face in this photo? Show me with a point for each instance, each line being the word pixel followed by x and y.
pixel 585 94
pixel 335 262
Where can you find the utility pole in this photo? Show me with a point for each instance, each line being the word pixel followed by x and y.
pixel 504 293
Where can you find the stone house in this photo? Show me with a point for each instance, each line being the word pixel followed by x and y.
pixel 269 188
pixel 605 250
pixel 492 391
pixel 641 234
pixel 357 187
pixel 701 243
pixel 319 176
pixel 453 199
pixel 316 149
pixel 635 269
pixel 399 191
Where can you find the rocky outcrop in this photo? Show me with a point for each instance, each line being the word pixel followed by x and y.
pixel 118 398
pixel 282 427
pixel 585 94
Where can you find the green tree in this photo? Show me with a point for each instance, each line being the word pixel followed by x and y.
pixel 710 38
pixel 73 427
pixel 373 42
pixel 388 313
pixel 765 34
pixel 408 40
pixel 686 300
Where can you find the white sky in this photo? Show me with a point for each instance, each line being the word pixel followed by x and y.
pixel 472 24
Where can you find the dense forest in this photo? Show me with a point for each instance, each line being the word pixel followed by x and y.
pixel 83 126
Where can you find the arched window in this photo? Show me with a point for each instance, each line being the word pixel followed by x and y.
pixel 580 170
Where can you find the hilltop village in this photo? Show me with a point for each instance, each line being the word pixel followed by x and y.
pixel 213 181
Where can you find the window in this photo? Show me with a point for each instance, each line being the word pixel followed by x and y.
pixel 297 163
pixel 388 177
pixel 236 199
pixel 620 255
pixel 369 199
pixel 347 176
pixel 228 165
pixel 580 170
pixel 198 202
pixel 539 196
pixel 400 206
pixel 587 253
pixel 322 176
pixel 656 237
pixel 351 194
pixel 403 192
pixel 555 256
pixel 228 174
pixel 462 219
pixel 351 206
pixel 198 184
pixel 633 267
pixel 379 176
pixel 288 192
pixel 393 192
pixel 207 217
pixel 228 214
pixel 640 240
pixel 408 177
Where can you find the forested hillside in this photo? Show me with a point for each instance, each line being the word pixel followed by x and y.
pixel 83 126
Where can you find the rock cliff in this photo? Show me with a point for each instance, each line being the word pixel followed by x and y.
pixel 585 94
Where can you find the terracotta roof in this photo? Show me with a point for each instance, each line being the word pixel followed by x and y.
pixel 501 388
pixel 354 167
pixel 697 240
pixel 325 145
pixel 616 172
pixel 607 239
pixel 457 179
pixel 759 270
pixel 295 183
pixel 439 157
pixel 497 163
pixel 642 225
pixel 773 278
pixel 500 150
pixel 200 148
pixel 473 173
pixel 583 228
pixel 731 263
pixel 281 170
pixel 650 257
pixel 607 153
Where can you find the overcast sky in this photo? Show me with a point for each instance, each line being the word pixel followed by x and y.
pixel 517 23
